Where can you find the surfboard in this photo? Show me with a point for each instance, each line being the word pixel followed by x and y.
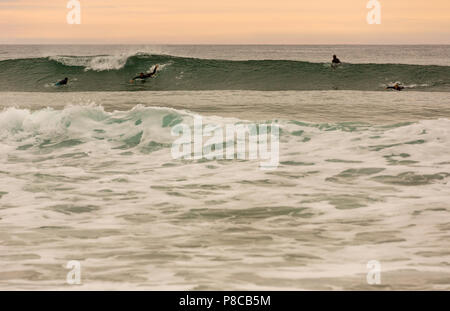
pixel 335 65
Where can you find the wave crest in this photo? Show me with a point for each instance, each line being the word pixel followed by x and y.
pixel 113 73
pixel 95 63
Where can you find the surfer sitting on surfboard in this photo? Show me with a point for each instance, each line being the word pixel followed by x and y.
pixel 62 82
pixel 335 60
pixel 396 87
pixel 143 76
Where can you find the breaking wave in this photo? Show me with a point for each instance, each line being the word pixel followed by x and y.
pixel 113 73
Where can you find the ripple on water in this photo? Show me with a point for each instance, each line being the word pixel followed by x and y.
pixel 73 209
pixel 344 201
pixel 354 173
pixel 246 214
pixel 410 179
pixel 377 237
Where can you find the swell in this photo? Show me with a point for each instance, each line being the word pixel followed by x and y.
pixel 93 123
pixel 112 73
pixel 89 132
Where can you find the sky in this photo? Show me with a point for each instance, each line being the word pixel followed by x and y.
pixel 225 22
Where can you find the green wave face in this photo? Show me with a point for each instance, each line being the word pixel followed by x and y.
pixel 109 73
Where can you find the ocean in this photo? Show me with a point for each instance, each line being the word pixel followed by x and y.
pixel 87 171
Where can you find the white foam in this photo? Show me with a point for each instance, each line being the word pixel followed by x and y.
pixel 153 216
pixel 95 63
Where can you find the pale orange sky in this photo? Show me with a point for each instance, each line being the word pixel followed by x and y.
pixel 226 22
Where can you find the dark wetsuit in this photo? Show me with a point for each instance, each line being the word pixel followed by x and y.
pixel 335 62
pixel 146 76
pixel 63 82
pixel 397 88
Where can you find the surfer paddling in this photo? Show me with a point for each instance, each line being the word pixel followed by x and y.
pixel 144 77
pixel 62 82
pixel 396 87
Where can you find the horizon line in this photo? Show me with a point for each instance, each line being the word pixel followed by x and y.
pixel 237 44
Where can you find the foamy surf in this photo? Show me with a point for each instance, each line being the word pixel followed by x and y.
pixel 88 173
pixel 94 63
pixel 83 183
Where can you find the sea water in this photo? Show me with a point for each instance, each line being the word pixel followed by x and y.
pixel 87 173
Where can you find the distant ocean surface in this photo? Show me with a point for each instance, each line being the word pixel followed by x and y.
pixel 86 171
pixel 264 68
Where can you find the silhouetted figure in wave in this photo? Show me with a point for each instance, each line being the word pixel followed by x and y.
pixel 144 77
pixel 396 87
pixel 335 62
pixel 62 82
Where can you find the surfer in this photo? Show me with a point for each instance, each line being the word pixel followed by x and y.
pixel 335 62
pixel 143 76
pixel 396 87
pixel 62 82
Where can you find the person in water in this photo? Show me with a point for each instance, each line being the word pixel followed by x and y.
pixel 62 82
pixel 396 87
pixel 143 76
pixel 335 60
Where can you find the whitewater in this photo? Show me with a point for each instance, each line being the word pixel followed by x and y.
pixel 87 174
